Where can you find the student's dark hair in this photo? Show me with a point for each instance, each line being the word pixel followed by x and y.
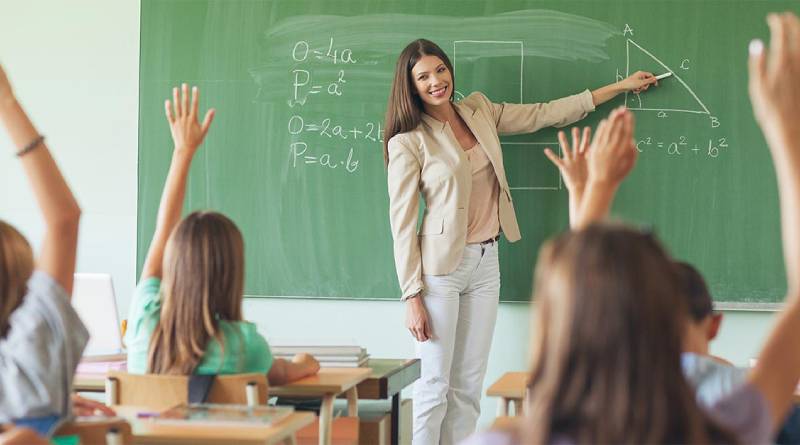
pixel 606 342
pixel 404 110
pixel 695 291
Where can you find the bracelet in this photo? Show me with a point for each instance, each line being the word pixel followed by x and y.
pixel 30 147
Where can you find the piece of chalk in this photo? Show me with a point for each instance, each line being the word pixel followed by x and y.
pixel 667 74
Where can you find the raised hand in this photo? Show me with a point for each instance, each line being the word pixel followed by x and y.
pixel 612 153
pixel 187 132
pixel 775 80
pixel 572 165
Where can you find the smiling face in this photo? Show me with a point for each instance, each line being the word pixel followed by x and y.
pixel 433 81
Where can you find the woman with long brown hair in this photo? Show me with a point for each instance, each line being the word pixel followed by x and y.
pixel 186 313
pixel 610 317
pixel 448 272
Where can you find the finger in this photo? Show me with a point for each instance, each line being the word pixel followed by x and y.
pixel 576 141
pixel 601 131
pixel 587 137
pixel 176 102
pixel 168 110
pixel 777 41
pixel 615 126
pixel 107 411
pixel 185 99
pixel 562 141
pixel 421 334
pixel 627 127
pixel 793 29
pixel 554 159
pixel 756 65
pixel 195 103
pixel 428 331
pixel 208 119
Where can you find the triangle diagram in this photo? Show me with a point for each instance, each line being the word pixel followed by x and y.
pixel 672 94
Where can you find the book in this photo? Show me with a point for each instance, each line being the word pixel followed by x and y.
pixel 317 350
pixel 222 415
pixel 357 364
pixel 329 358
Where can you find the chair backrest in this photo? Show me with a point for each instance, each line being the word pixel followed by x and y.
pixel 158 392
pixel 95 431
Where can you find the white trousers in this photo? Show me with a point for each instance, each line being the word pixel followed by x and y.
pixel 462 309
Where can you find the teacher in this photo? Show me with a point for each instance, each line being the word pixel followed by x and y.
pixel 449 272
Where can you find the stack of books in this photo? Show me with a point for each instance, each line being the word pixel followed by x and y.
pixel 329 355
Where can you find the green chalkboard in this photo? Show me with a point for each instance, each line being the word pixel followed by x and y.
pixel 295 157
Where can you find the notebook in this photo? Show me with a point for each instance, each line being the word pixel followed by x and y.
pixel 223 415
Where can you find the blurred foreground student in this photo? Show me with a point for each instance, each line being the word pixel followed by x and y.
pixel 608 335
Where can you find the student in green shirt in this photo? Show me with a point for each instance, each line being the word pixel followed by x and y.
pixel 186 313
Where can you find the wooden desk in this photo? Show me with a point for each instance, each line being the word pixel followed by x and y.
pixel 327 384
pixel 388 378
pixel 511 389
pixel 147 432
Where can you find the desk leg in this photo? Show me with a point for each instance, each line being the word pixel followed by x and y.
pixel 352 402
pixel 517 407
pixel 396 419
pixel 502 407
pixel 326 420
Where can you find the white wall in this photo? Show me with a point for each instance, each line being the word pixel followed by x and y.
pixel 75 65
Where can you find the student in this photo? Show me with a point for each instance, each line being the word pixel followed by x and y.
pixel 41 336
pixel 449 272
pixel 712 377
pixel 607 340
pixel 186 312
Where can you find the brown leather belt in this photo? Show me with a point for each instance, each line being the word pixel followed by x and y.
pixel 490 240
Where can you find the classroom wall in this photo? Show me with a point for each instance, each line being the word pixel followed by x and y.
pixel 75 67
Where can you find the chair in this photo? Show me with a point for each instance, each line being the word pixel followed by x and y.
pixel 159 392
pixel 95 431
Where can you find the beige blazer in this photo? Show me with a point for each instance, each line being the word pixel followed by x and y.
pixel 429 161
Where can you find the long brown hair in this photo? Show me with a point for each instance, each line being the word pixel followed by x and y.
pixel 203 283
pixel 404 109
pixel 16 267
pixel 607 344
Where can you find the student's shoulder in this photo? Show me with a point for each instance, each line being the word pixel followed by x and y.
pixel 248 331
pixel 45 299
pixel 41 283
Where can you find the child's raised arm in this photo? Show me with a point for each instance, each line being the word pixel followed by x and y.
pixel 775 95
pixel 611 156
pixel 59 208
pixel 187 135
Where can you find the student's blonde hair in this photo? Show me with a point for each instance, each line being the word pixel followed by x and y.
pixel 202 284
pixel 16 267
pixel 607 344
